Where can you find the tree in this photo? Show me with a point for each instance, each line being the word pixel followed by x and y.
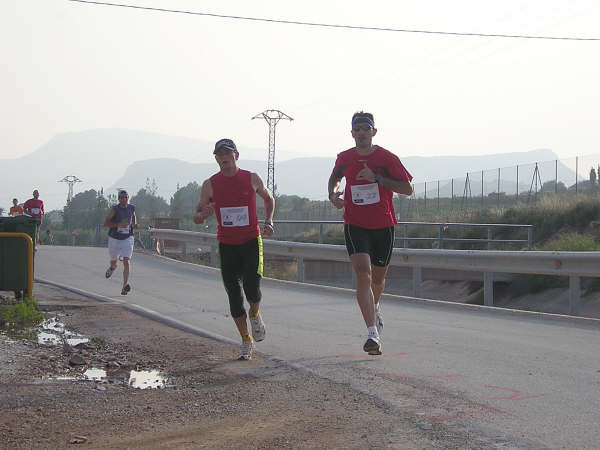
pixel 86 210
pixel 593 176
pixel 184 201
pixel 147 203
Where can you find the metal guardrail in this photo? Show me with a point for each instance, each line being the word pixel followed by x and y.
pixel 570 264
pixel 442 227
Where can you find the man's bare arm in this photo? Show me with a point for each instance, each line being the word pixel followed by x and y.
pixel 204 209
pixel 269 202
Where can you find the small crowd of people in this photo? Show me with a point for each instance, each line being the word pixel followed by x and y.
pixel 372 175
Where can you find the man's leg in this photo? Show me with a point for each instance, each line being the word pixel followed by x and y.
pixel 361 262
pixel 113 254
pixel 252 273
pixel 378 281
pixel 126 270
pixel 126 247
pixel 230 272
pixel 377 285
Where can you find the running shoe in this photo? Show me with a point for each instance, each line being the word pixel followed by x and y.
pixel 246 351
pixel 373 345
pixel 378 318
pixel 126 289
pixel 258 328
pixel 109 272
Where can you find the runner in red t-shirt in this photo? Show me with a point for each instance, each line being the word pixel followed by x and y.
pixel 230 195
pixel 372 175
pixel 35 208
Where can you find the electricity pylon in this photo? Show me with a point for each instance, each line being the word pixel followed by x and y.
pixel 70 180
pixel 272 116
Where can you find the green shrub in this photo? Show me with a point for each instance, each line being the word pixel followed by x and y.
pixel 570 242
pixel 17 316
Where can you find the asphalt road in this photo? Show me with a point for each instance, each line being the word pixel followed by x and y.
pixel 505 380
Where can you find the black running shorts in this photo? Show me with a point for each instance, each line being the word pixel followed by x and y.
pixel 378 244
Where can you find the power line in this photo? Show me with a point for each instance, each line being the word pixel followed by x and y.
pixel 351 27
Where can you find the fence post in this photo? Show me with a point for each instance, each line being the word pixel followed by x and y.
pixel 488 288
pixel 300 269
pixel 489 238
pixel 529 237
pixel 320 233
pixel 574 295
pixel 405 235
pixel 441 237
pixel 417 277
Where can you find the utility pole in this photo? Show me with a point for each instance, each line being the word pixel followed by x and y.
pixel 70 180
pixel 272 116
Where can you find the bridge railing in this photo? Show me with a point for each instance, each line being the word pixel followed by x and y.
pixel 440 229
pixel 570 264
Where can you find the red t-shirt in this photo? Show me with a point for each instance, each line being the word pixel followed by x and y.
pixel 369 205
pixel 34 207
pixel 235 207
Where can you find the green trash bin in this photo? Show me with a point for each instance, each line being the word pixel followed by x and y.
pixel 14 252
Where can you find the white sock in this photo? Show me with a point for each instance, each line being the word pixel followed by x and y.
pixel 373 332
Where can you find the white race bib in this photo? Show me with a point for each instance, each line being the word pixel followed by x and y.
pixel 235 216
pixel 35 210
pixel 123 230
pixel 365 194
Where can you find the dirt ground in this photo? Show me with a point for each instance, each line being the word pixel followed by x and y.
pixel 208 400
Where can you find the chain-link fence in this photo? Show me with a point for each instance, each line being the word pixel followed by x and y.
pixel 502 187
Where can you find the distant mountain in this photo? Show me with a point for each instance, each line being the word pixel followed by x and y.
pixel 97 157
pixel 112 158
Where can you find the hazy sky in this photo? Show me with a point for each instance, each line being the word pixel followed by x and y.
pixel 70 66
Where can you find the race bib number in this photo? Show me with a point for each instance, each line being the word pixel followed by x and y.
pixel 365 194
pixel 35 210
pixel 235 216
pixel 123 230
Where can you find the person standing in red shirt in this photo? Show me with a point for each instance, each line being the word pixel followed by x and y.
pixel 373 174
pixel 230 195
pixel 35 208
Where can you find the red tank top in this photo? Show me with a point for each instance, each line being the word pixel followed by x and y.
pixel 235 207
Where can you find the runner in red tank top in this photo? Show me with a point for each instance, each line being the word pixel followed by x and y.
pixel 230 195
pixel 372 175
pixel 35 208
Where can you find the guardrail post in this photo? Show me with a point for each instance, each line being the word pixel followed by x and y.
pixel 405 235
pixel 489 238
pixel 574 295
pixel 300 269
pixel 183 246
pixel 416 281
pixel 529 238
pixel 488 288
pixel 320 233
pixel 213 256
pixel 441 237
